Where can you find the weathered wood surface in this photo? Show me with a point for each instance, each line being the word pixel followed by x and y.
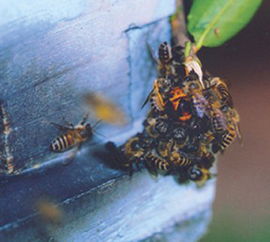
pixel 128 209
pixel 51 53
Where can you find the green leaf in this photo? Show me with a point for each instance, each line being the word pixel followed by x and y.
pixel 213 22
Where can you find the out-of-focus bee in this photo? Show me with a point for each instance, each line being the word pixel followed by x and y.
pixel 104 109
pixel 74 136
pixel 49 211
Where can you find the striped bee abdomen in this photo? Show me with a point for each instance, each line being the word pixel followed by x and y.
pixel 228 138
pixel 225 95
pixel 157 162
pixel 164 53
pixel 62 143
pixel 218 121
pixel 180 160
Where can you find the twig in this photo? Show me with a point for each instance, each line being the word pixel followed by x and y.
pixel 178 23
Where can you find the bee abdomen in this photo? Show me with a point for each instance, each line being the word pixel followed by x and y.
pixel 62 142
pixel 182 161
pixel 227 139
pixel 225 95
pixel 157 162
pixel 164 53
pixel 218 123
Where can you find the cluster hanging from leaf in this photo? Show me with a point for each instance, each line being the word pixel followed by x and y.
pixel 192 118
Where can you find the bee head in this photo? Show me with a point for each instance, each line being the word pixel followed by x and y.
pixel 195 173
pixel 87 131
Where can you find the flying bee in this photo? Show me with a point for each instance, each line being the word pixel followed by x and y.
pixel 104 109
pixel 49 211
pixel 74 136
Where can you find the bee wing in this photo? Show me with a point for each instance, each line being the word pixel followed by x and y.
pixel 238 132
pixel 61 127
pixel 147 99
pixel 201 105
pixel 104 109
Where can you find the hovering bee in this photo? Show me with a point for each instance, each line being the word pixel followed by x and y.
pixel 49 211
pixel 74 136
pixel 104 109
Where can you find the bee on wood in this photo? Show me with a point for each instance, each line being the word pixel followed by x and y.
pixel 74 136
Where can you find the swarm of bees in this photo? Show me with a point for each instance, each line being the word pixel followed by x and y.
pixel 191 120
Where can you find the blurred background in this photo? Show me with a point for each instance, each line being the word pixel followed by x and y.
pixel 242 206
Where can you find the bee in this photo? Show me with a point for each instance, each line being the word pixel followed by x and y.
pixel 156 126
pixel 164 59
pixel 104 109
pixel 179 160
pixel 155 163
pixel 74 136
pixel 221 89
pixel 199 175
pixel 135 149
pixel 226 139
pixel 158 96
pixel 49 211
pixel 179 105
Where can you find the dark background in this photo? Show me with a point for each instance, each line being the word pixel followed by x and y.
pixel 242 206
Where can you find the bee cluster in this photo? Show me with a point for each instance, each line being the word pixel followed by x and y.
pixel 191 119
